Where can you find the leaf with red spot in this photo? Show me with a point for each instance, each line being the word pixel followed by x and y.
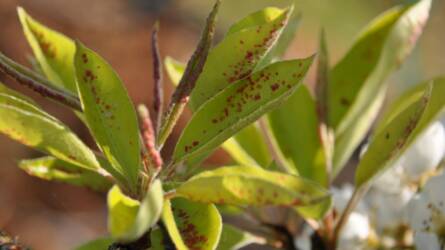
pixel 192 225
pixel 54 51
pixel 243 185
pixel 52 169
pixel 239 105
pixel 247 147
pixel 357 85
pixel 391 141
pixel 433 111
pixel 27 123
pixel 235 57
pixel 110 114
pixel 264 16
pixel 295 127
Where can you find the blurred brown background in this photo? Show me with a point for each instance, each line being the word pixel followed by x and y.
pixel 54 216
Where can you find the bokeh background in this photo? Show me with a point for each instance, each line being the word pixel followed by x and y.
pixel 54 216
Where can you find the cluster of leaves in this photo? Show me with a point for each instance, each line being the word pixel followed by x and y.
pixel 288 146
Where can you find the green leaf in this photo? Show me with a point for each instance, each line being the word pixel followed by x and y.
pixel 175 70
pixel 235 58
pixel 128 218
pixel 52 169
pixel 234 239
pixel 29 125
pixel 239 105
pixel 243 185
pixel 53 51
pixel 10 92
pixel 109 112
pixel 401 103
pixel 160 240
pixel 98 244
pixel 295 126
pixel 357 83
pixel 247 147
pixel 387 146
pixel 262 17
pixel 192 225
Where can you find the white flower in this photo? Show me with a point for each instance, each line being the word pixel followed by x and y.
pixel 426 153
pixel 386 208
pixel 341 197
pixel 427 241
pixel 355 231
pixel 426 214
pixel 391 181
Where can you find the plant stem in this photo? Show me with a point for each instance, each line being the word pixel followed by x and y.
pixel 352 203
pixel 193 70
pixel 37 83
pixel 158 91
pixel 170 195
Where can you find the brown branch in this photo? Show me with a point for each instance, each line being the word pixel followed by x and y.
pixel 37 83
pixel 193 70
pixel 158 91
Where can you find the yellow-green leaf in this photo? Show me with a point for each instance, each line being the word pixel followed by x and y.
pixel 234 239
pixel 98 244
pixel 109 112
pixel 244 185
pixel 192 225
pixel 387 146
pixel 175 69
pixel 53 51
pixel 295 127
pixel 239 105
pixel 235 57
pixel 357 83
pixel 129 219
pixel 26 123
pixel 247 147
pixel 52 169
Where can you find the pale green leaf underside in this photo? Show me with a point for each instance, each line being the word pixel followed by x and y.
pixel 53 51
pixel 357 83
pixel 129 219
pixel 52 169
pixel 175 70
pixel 30 126
pixel 243 186
pixel 239 105
pixel 295 126
pixel 109 113
pixel 192 225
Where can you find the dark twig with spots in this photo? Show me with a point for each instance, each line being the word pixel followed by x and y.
pixel 193 70
pixel 37 83
pixel 158 91
pixel 148 135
